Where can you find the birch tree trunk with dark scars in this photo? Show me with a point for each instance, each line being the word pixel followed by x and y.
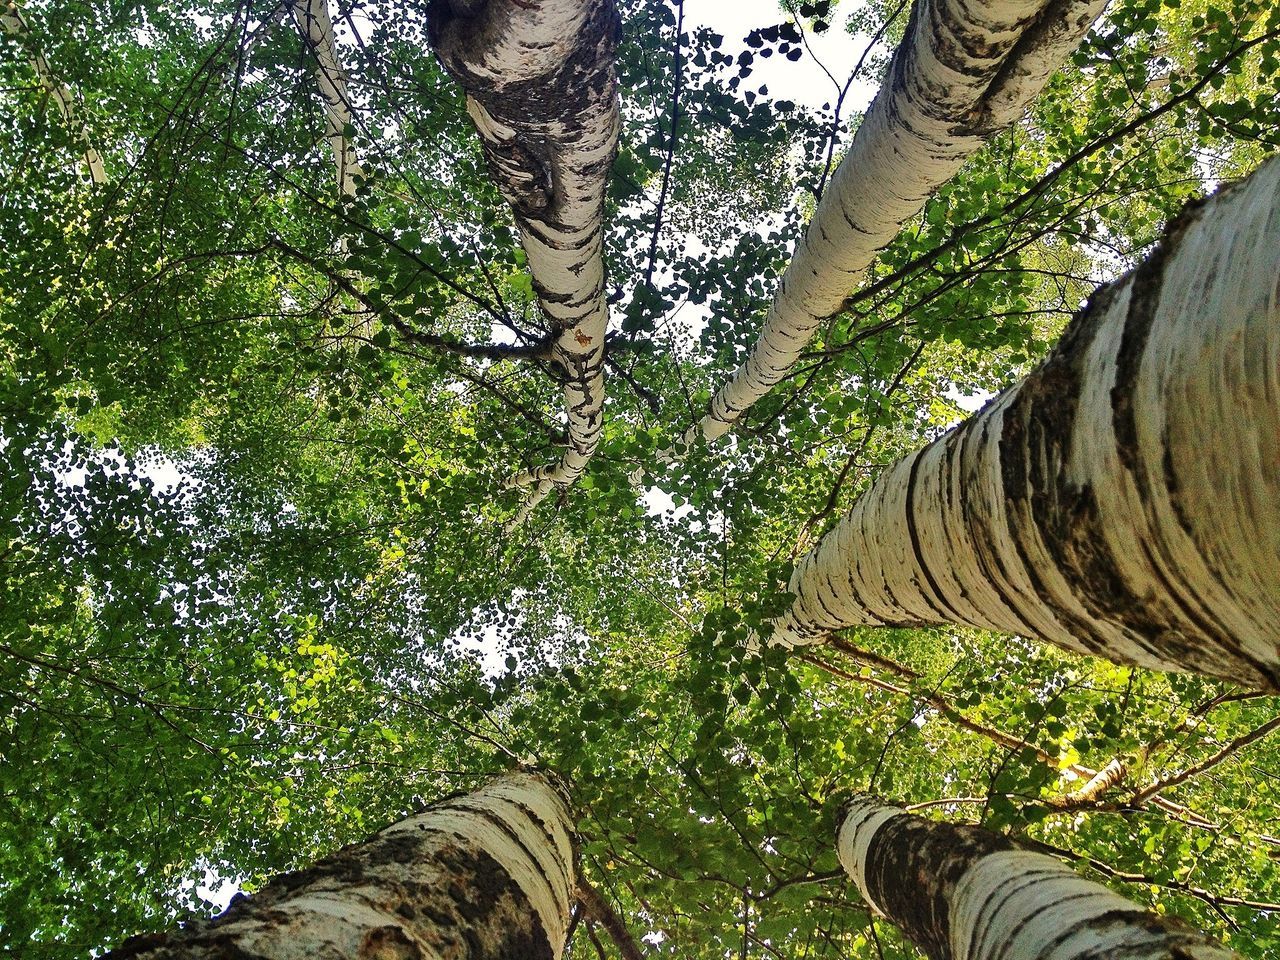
pixel 487 874
pixel 542 91
pixel 964 893
pixel 963 72
pixel 1124 499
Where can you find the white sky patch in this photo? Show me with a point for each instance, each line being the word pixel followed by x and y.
pixel 165 473
pixel 804 80
pixel 658 503
pixel 491 646
pixel 494 642
pixel 969 402
pixel 216 889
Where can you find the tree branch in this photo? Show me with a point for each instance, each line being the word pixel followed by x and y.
pixel 599 910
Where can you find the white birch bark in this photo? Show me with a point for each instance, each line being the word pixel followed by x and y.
pixel 316 26
pixel 964 71
pixel 543 94
pixel 486 874
pixel 68 106
pixel 964 893
pixel 1124 499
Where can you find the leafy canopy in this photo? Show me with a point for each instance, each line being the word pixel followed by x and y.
pixel 257 599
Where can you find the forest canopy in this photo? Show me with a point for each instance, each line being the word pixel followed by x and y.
pixel 302 525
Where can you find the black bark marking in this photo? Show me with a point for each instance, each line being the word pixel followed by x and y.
pixel 1173 486
pixel 1180 940
pixel 387 943
pixel 1034 449
pixel 912 868
pixel 434 887
pixel 1059 18
pixel 1179 645
pixel 1030 917
pixel 989 560
pixel 583 84
pixel 502 824
pixel 941 607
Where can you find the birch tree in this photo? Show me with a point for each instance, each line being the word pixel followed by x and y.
pixel 65 100
pixel 543 94
pixel 316 26
pixel 489 873
pixel 963 893
pixel 255 593
pixel 962 73
pixel 1119 501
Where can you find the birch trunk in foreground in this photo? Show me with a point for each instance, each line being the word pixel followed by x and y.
pixel 1124 499
pixel 316 27
pixel 963 72
pixel 488 874
pixel 964 893
pixel 543 94
pixel 15 24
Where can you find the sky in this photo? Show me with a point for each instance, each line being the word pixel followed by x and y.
pixel 804 80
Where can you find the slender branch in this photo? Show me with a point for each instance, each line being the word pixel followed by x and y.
pixel 1229 750
pixel 1181 886
pixel 598 909
pixel 871 658
pixel 1085 798
pixel 433 341
pixel 677 84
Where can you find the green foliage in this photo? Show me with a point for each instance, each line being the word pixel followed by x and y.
pixel 257 600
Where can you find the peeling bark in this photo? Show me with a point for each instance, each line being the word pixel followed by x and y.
pixel 15 24
pixel 316 27
pixel 1094 787
pixel 542 92
pixel 1122 499
pixel 488 874
pixel 963 893
pixel 963 72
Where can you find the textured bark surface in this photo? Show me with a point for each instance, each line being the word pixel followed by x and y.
pixel 963 893
pixel 962 72
pixel 543 94
pixel 15 24
pixel 316 27
pixel 486 875
pixel 1122 500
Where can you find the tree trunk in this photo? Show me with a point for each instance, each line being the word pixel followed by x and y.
pixel 1122 500
pixel 316 27
pixel 487 874
pixel 543 94
pixel 963 72
pixel 964 893
pixel 15 24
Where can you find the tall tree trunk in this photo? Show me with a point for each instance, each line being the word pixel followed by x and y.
pixel 964 893
pixel 963 72
pixel 1124 499
pixel 15 24
pixel 543 94
pixel 316 27
pixel 315 24
pixel 486 874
